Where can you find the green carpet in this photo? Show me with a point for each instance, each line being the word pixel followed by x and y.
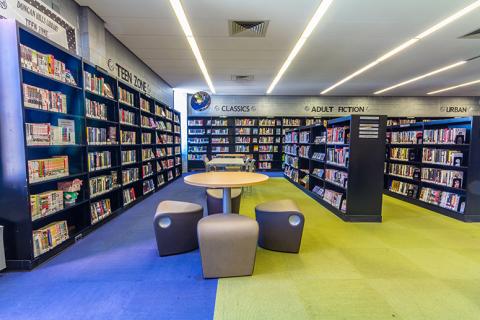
pixel 415 265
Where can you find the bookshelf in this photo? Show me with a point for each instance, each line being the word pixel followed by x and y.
pixel 260 138
pixel 340 165
pixel 432 165
pixel 68 165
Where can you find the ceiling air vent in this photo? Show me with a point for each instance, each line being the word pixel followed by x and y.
pixel 472 35
pixel 236 77
pixel 248 29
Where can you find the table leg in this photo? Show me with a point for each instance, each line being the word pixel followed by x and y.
pixel 227 200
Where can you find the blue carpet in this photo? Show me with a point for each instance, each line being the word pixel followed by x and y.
pixel 115 273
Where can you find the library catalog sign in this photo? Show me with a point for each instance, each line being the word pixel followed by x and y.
pixel 36 16
pixel 336 106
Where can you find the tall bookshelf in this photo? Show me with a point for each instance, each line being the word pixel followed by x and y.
pixel 72 120
pixel 259 138
pixel 340 165
pixel 433 165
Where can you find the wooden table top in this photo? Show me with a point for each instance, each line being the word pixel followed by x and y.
pixel 226 162
pixel 225 179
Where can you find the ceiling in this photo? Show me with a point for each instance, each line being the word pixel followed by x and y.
pixel 352 34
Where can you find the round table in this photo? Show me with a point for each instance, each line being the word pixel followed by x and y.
pixel 227 181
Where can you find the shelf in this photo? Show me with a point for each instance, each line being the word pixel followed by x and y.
pixel 97 195
pixel 101 120
pixel 67 177
pixel 99 96
pixel 52 80
pixel 39 221
pixel 54 113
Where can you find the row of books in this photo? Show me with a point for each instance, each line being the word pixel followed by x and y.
pixel 130 175
pixel 96 110
pixel 128 196
pixel 41 134
pixel 221 149
pixel 46 203
pixel 242 148
pixel 320 139
pixel 43 99
pixel 291 137
pixel 148 186
pixel 147 170
pixel 404 188
pixel 402 154
pixel 291 172
pixel 404 170
pixel 318 172
pixel 128 137
pixel 442 156
pixel 338 156
pixel 264 165
pixel 338 135
pixel 336 199
pixel 144 105
pixel 46 169
pixel 220 141
pixel 291 149
pixel 336 177
pixel 49 236
pixel 99 160
pixel 320 156
pixel 245 122
pixel 442 177
pixel 304 151
pixel 147 154
pixel 443 199
pixel 305 137
pixel 197 149
pixel 103 184
pixel 265 140
pixel 445 136
pixel 127 117
pixel 198 140
pixel 97 84
pixel 101 136
pixel 265 157
pixel 126 96
pixel 146 138
pixel 128 157
pixel 291 161
pixel 100 210
pixel 45 64
pixel 405 137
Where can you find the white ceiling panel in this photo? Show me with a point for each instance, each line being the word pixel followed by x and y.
pixel 352 34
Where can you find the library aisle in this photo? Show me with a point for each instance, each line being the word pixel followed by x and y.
pixel 417 264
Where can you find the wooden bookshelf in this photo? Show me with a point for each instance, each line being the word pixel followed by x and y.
pixel 410 175
pixel 80 97
pixel 344 174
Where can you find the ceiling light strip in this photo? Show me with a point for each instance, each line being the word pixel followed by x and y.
pixel 455 87
pixel 182 19
pixel 457 64
pixel 319 13
pixel 408 43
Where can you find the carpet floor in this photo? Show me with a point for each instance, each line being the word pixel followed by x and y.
pixel 415 265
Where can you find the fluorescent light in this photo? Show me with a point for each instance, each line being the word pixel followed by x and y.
pixel 303 38
pixel 422 76
pixel 182 19
pixel 455 87
pixel 408 43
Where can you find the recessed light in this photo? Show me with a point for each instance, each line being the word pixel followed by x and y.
pixel 455 87
pixel 422 76
pixel 408 43
pixel 182 19
pixel 303 38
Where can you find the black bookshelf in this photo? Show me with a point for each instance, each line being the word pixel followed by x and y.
pixel 260 138
pixel 340 165
pixel 17 187
pixel 446 183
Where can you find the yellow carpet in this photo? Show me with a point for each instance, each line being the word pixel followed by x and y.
pixel 415 265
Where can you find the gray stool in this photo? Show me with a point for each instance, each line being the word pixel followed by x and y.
pixel 175 226
pixel 281 226
pixel 215 202
pixel 228 244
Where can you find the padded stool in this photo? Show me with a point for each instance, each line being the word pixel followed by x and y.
pixel 215 200
pixel 228 244
pixel 175 226
pixel 281 226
